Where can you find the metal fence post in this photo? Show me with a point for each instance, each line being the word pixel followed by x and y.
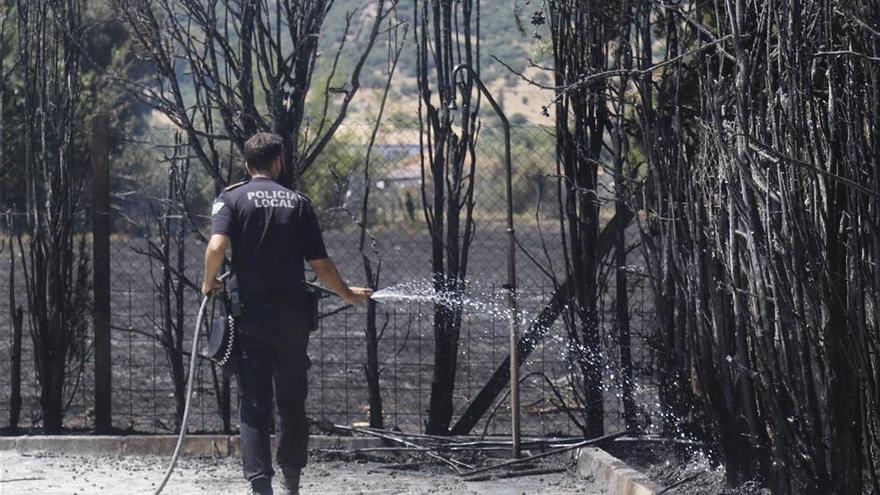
pixel 101 270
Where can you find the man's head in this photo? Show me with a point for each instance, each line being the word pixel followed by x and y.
pixel 262 154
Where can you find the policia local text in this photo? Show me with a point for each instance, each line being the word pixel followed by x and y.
pixel 273 199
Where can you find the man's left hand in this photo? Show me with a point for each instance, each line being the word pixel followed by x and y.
pixel 212 287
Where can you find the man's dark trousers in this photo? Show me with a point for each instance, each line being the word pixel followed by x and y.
pixel 273 342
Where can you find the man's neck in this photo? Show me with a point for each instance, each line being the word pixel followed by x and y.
pixel 262 176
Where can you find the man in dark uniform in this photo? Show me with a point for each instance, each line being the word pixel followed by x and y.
pixel 271 230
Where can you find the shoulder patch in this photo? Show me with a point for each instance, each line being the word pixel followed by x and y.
pixel 236 185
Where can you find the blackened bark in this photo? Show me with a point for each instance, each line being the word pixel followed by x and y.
pixel 579 30
pixel 172 327
pixel 55 265
pixel 15 357
pixel 843 381
pixel 623 60
pixel 373 273
pixel 445 37
pixel 371 368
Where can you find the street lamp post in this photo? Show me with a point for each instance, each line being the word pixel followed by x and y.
pixel 513 323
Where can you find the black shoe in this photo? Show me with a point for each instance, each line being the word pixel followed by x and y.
pixel 262 486
pixel 290 482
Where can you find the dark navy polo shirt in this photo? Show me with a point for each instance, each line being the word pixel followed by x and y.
pixel 272 230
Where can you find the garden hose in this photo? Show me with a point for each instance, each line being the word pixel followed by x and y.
pixel 194 355
pixel 193 359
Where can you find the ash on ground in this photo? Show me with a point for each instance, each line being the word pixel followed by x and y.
pixel 683 467
pixel 54 474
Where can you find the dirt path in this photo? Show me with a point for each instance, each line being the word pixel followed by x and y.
pixel 49 474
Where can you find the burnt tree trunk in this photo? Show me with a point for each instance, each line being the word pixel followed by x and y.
pixel 15 355
pixel 845 443
pixel 580 31
pixel 445 34
pixel 55 264
pixel 373 273
pixel 623 60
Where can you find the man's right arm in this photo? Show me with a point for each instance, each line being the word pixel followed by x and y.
pixel 215 254
pixel 222 221
pixel 327 273
pixel 316 255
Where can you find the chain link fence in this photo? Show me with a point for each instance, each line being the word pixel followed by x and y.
pixel 157 249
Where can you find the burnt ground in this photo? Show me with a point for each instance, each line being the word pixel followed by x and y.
pixel 685 467
pixel 51 474
pixel 142 387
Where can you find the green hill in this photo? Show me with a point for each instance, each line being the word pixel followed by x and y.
pixel 499 36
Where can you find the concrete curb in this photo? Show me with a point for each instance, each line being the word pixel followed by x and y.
pixel 614 475
pixel 160 445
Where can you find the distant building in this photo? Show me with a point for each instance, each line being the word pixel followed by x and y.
pixel 395 189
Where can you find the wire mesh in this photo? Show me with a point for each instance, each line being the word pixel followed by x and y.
pixel 143 389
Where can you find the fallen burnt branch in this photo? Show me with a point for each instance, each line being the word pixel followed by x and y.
pixel 584 443
pixel 401 434
pixel 437 442
pixel 516 474
pixel 436 446
pixel 457 466
pixel 477 446
pixel 451 448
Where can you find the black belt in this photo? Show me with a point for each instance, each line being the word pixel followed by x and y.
pixel 275 300
pixel 307 303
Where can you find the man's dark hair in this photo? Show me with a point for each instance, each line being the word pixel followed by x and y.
pixel 261 150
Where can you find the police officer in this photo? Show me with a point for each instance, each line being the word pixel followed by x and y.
pixel 271 230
